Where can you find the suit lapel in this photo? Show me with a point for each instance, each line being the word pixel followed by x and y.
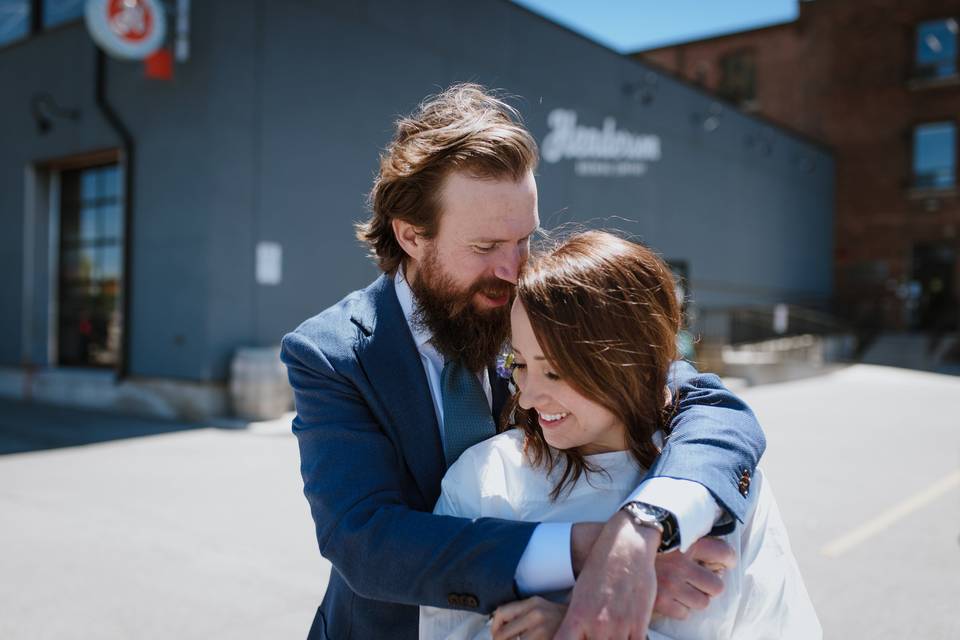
pixel 501 394
pixel 392 364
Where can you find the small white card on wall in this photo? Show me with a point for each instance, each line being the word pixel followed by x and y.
pixel 269 263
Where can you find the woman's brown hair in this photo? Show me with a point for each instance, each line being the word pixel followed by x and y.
pixel 465 128
pixel 605 312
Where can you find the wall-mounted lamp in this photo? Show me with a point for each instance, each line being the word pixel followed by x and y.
pixel 710 121
pixel 643 90
pixel 760 142
pixel 804 162
pixel 45 110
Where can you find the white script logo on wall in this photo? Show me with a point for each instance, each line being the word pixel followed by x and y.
pixel 127 29
pixel 605 151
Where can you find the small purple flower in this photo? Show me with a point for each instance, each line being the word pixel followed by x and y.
pixel 506 365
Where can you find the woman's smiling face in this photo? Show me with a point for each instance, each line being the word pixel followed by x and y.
pixel 567 418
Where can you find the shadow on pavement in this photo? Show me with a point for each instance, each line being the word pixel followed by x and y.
pixel 26 426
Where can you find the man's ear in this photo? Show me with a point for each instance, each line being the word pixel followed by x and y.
pixel 409 238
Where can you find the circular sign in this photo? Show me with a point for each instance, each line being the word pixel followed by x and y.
pixel 128 29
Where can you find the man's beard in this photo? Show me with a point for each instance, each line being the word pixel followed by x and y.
pixel 460 331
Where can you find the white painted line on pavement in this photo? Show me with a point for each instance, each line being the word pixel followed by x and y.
pixel 872 527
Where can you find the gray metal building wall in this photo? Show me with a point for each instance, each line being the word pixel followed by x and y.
pixel 271 131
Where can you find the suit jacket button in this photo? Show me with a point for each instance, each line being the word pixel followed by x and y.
pixel 471 601
pixel 453 600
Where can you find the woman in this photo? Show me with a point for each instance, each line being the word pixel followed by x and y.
pixel 594 331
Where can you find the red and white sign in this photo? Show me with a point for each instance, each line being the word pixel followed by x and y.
pixel 128 29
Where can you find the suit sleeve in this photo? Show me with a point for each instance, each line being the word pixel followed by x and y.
pixel 353 477
pixel 714 440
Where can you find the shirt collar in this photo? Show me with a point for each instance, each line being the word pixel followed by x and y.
pixel 408 303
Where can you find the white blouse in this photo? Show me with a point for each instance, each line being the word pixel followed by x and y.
pixel 763 597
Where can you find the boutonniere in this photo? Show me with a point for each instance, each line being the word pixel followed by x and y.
pixel 505 368
pixel 506 365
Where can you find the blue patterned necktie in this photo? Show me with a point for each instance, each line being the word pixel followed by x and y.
pixel 466 413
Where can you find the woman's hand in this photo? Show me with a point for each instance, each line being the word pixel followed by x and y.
pixel 531 619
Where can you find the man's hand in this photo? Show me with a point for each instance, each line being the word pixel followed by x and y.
pixel 531 619
pixel 687 581
pixel 614 594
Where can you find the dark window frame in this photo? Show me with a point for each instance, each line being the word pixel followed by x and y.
pixel 748 53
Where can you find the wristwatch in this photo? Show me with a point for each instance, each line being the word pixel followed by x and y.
pixel 647 515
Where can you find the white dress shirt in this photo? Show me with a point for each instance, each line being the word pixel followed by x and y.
pixel 764 597
pixel 546 564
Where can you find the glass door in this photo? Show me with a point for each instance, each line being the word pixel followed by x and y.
pixel 89 318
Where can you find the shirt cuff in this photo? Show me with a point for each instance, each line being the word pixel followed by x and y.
pixel 690 503
pixel 545 565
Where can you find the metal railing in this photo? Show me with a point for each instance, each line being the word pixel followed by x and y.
pixel 755 323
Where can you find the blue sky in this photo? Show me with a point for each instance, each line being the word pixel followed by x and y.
pixel 629 25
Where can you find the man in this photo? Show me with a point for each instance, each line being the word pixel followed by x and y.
pixel 395 381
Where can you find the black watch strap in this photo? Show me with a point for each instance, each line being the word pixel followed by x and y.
pixel 648 515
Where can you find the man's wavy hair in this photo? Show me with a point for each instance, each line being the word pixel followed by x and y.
pixel 465 128
pixel 605 312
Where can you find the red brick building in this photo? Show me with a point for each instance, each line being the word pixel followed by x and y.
pixel 877 81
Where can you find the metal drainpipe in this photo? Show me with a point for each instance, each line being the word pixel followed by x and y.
pixel 123 365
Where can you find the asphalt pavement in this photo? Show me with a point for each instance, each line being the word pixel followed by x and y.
pixel 185 532
pixel 115 527
pixel 865 465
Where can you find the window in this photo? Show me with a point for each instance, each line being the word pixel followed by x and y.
pixel 738 78
pixel 686 344
pixel 935 155
pixel 91 267
pixel 17 17
pixel 936 55
pixel 14 20
pixel 56 12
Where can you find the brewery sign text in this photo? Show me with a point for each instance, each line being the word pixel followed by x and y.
pixel 598 151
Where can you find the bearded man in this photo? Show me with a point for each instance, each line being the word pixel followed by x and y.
pixel 396 380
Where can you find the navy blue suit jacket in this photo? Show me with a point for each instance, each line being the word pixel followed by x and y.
pixel 372 462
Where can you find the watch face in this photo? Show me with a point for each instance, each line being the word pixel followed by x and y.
pixel 652 516
pixel 662 514
pixel 650 512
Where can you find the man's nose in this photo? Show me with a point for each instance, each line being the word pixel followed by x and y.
pixel 508 268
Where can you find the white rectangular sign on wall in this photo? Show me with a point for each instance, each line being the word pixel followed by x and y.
pixel 269 263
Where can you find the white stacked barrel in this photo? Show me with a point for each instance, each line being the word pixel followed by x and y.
pixel 258 384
